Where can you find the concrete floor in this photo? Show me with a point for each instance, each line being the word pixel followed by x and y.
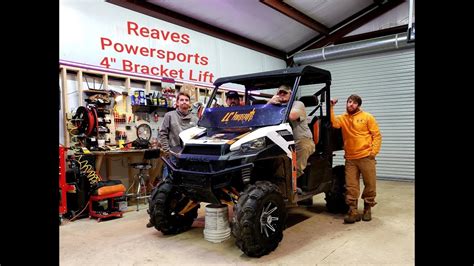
pixel 313 236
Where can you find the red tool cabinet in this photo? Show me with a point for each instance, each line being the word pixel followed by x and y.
pixel 63 186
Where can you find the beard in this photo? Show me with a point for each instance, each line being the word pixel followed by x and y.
pixel 352 111
pixel 183 107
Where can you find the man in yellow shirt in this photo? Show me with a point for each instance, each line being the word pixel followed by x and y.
pixel 362 141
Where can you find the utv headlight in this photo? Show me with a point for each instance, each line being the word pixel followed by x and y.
pixel 254 145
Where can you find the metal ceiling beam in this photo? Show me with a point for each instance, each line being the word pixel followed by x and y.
pixel 373 34
pixel 294 14
pixel 161 13
pixel 348 25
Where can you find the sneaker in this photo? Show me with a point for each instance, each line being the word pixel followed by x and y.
pixel 367 216
pixel 352 216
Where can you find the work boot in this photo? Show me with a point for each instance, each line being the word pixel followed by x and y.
pixel 352 216
pixel 367 216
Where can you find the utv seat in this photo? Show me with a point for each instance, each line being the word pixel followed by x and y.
pixel 314 127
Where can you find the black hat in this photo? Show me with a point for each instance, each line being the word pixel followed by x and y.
pixel 232 94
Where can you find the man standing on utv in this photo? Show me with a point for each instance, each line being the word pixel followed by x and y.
pixel 362 141
pixel 302 134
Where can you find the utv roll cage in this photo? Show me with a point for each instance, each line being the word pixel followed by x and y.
pixel 298 76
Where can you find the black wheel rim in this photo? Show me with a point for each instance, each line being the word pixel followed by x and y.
pixel 269 219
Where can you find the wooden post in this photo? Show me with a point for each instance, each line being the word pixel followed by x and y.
pixel 80 87
pixel 106 81
pixel 130 176
pixel 65 104
pixel 127 87
pixel 108 168
pixel 147 87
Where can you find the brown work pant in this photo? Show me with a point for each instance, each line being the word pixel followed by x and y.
pixel 304 148
pixel 354 168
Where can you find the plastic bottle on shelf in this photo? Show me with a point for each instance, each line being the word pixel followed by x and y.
pixel 142 98
pixel 154 98
pixel 163 101
pixel 135 98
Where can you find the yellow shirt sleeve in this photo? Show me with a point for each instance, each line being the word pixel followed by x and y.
pixel 335 120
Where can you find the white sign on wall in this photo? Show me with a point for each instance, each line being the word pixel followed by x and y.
pixel 103 36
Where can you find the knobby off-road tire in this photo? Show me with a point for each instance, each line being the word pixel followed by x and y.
pixel 335 198
pixel 259 219
pixel 165 204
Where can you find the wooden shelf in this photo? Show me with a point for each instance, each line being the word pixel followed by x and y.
pixel 83 77
pixel 150 108
pixel 96 91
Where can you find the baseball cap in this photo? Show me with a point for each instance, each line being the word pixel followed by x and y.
pixel 284 88
pixel 232 94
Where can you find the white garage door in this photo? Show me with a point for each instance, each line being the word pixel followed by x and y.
pixel 385 81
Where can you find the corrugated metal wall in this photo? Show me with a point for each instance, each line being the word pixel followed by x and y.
pixel 385 81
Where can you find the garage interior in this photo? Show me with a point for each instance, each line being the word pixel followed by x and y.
pixel 314 236
pixel 367 45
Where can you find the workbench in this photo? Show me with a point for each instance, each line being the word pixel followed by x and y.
pixel 129 153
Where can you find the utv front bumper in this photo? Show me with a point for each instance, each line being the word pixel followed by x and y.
pixel 198 179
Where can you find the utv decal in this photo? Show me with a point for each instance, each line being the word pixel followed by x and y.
pixel 232 141
pixel 270 133
pixel 212 141
pixel 235 116
pixel 198 135
pixel 287 135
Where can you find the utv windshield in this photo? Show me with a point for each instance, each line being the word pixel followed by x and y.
pixel 243 116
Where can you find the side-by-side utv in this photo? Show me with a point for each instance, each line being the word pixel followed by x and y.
pixel 244 156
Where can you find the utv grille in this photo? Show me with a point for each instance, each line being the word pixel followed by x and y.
pixel 195 166
pixel 206 167
pixel 203 149
pixel 194 180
